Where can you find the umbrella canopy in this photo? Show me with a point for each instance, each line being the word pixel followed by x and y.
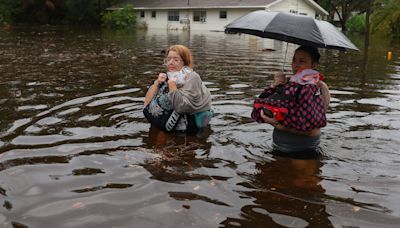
pixel 298 29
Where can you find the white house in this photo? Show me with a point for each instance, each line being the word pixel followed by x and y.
pixel 212 14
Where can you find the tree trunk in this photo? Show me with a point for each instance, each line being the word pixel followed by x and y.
pixel 367 36
pixel 345 15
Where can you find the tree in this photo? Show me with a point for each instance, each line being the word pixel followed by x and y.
pixel 328 6
pixel 386 17
pixel 343 8
pixel 8 11
pixel 367 33
pixel 86 11
pixel 53 11
pixel 41 11
pixel 120 18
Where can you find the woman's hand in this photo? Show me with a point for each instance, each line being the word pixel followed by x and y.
pixel 172 84
pixel 162 77
pixel 279 79
pixel 267 119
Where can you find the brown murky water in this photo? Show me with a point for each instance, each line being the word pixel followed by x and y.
pixel 76 151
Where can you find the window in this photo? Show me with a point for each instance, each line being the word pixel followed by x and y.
pixel 199 16
pixel 222 14
pixel 142 14
pixel 173 15
pixel 153 14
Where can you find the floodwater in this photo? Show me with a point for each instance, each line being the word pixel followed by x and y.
pixel 76 150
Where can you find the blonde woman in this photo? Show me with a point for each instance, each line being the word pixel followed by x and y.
pixel 178 101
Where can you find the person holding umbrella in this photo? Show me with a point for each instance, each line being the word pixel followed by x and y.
pixel 296 108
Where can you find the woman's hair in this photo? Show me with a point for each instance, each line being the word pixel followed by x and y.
pixel 312 51
pixel 184 53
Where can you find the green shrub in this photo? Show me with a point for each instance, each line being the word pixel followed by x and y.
pixel 356 23
pixel 5 14
pixel 121 18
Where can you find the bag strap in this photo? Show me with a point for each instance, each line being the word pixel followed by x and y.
pixel 172 121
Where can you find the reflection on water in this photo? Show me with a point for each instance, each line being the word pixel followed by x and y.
pixel 76 151
pixel 285 192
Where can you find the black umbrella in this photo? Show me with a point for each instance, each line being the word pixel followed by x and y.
pixel 298 29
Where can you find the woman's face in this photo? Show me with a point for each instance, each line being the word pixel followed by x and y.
pixel 174 61
pixel 302 60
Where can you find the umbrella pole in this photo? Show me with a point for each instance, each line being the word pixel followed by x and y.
pixel 284 60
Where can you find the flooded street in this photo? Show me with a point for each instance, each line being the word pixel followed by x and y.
pixel 76 150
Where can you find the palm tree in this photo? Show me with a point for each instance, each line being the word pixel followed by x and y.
pixel 386 17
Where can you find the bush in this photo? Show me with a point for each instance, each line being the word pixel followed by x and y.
pixel 121 18
pixel 356 23
pixel 5 14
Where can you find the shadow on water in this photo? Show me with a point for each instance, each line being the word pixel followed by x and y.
pixel 286 192
pixel 76 150
pixel 177 156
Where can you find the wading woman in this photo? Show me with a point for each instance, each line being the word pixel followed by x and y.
pixel 178 101
pixel 295 108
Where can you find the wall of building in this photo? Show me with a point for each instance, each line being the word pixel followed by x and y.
pixel 213 21
pixel 298 7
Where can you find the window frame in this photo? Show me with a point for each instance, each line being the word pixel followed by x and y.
pixel 220 15
pixel 173 15
pixel 202 17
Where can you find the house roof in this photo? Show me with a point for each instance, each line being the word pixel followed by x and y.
pixel 189 4
pixel 197 3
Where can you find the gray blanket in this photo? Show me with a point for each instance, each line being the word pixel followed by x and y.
pixel 191 97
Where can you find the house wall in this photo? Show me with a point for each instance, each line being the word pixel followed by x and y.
pixel 301 7
pixel 160 21
pixel 212 23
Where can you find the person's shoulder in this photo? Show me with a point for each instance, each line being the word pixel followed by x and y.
pixel 309 87
pixel 301 86
pixel 194 76
pixel 194 73
pixel 297 88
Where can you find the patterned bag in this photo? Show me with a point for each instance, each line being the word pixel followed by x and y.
pixel 159 111
pixel 297 106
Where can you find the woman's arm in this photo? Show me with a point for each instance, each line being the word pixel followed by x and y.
pixel 326 95
pixel 162 77
pixel 279 126
pixel 151 93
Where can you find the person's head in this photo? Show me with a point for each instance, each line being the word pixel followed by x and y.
pixel 177 57
pixel 305 57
